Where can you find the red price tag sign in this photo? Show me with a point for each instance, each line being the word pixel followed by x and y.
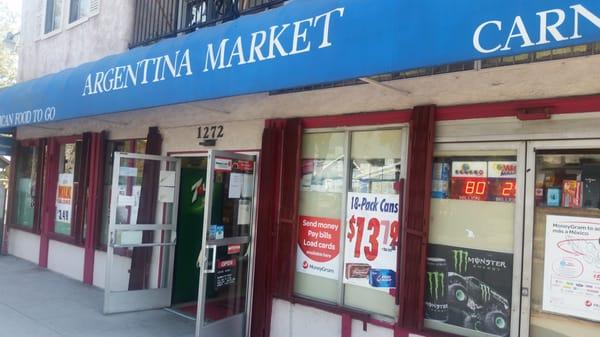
pixel 371 242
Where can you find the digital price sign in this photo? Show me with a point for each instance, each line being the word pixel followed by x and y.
pixel 483 181
pixel 483 189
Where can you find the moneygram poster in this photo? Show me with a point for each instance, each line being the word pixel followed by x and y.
pixel 469 288
pixel 318 250
pixel 372 231
pixel 572 267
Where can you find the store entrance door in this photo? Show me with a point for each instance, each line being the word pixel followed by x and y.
pixel 190 221
pixel 561 262
pixel 142 232
pixel 225 259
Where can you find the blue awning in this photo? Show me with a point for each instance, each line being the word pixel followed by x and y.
pixel 302 43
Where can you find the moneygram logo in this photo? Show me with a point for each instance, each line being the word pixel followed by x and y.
pixel 305 265
pixel 436 284
pixel 461 260
pixel 486 293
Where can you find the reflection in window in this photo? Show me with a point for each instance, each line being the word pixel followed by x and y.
pixel 470 252
pixel 79 9
pixel 362 274
pixel 66 188
pixel 132 146
pixel 53 15
pixel 566 250
pixel 26 185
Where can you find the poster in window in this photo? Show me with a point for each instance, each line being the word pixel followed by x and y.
pixel 64 198
pixel 572 267
pixel 318 250
pixel 469 288
pixel 371 242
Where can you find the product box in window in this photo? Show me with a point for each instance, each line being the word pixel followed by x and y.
pixel 590 178
pixel 440 180
pixel 553 197
pixel 571 195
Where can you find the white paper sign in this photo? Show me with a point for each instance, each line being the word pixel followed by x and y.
pixel 130 238
pixel 236 180
pixel 166 194
pixel 167 178
pixel 469 169
pixel 126 200
pixel 128 171
pixel 372 233
pixel 64 197
pixel 248 186
pixel 244 211
pixel 572 267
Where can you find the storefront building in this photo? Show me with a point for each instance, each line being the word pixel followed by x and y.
pixel 317 168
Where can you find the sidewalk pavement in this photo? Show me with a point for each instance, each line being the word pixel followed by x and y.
pixel 38 303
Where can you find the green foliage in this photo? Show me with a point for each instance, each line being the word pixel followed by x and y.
pixel 8 57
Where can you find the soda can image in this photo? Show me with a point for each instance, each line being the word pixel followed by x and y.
pixel 382 278
pixel 436 296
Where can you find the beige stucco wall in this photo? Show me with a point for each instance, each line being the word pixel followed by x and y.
pixel 104 34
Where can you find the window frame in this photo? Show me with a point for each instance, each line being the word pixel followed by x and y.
pixel 399 125
pixel 519 148
pixel 41 159
pixel 65 16
pixel 44 21
pixel 76 237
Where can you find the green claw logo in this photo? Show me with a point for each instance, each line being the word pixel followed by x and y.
pixel 436 284
pixel 461 260
pixel 486 293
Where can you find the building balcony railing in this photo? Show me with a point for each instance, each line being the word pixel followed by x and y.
pixel 159 19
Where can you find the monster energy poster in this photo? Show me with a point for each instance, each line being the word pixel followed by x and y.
pixel 469 288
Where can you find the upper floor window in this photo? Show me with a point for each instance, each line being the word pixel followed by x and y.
pixel 57 14
pixel 78 9
pixel 53 15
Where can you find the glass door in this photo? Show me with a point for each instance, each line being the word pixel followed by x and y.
pixel 561 271
pixel 142 232
pixel 225 257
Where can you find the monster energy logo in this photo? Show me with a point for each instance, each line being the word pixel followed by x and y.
pixel 461 259
pixel 436 284
pixel 486 292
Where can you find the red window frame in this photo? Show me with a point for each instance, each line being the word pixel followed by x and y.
pixel 39 190
pixel 278 214
pixel 372 119
pixel 76 237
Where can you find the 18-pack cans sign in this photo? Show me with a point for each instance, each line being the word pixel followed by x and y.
pixel 371 242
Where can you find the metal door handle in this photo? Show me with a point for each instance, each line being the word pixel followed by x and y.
pixel 200 260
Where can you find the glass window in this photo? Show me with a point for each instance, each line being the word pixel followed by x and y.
pixel 26 186
pixel 78 9
pixel 470 254
pixel 131 146
pixel 321 199
pixel 66 188
pixel 347 255
pixel 53 15
pixel 375 159
pixel 565 286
